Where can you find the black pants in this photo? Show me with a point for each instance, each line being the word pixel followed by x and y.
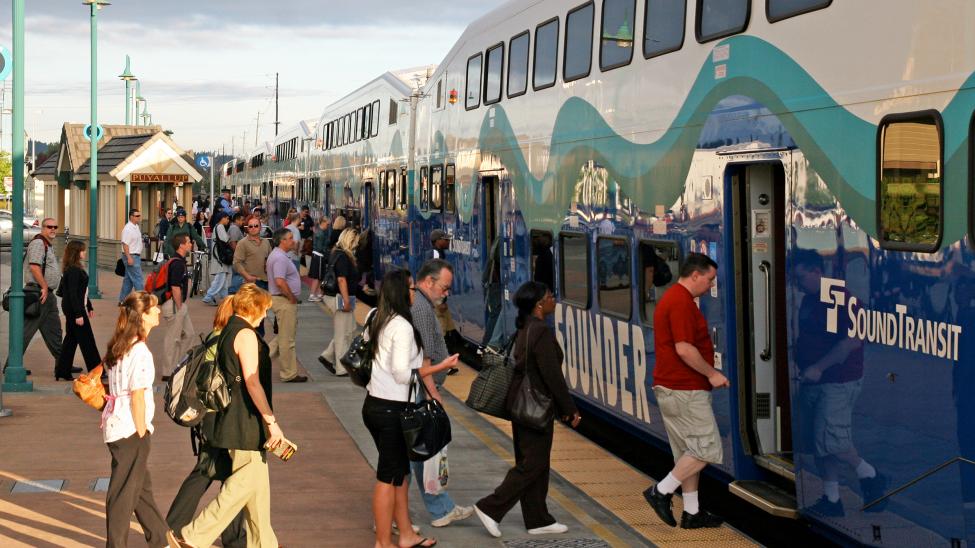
pixel 381 417
pixel 49 323
pixel 527 482
pixel 130 490
pixel 74 336
pixel 183 509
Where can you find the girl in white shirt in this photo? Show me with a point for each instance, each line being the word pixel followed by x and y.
pixel 127 424
pixel 398 353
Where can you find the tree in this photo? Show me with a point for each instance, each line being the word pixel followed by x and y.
pixel 6 170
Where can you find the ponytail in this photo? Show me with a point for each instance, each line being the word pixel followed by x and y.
pixel 224 312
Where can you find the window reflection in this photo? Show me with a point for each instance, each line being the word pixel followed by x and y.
pixel 616 47
pixel 663 26
pixel 613 271
pixel 910 183
pixel 578 43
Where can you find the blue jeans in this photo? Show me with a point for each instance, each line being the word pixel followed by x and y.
pixel 133 277
pixel 218 287
pixel 235 282
pixel 438 505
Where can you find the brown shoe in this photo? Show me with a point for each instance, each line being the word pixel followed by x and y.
pixel 176 542
pixel 298 378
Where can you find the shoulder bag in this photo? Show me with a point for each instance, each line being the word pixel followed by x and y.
pixel 426 427
pixel 32 291
pixel 489 391
pixel 530 407
pixel 358 358
pixel 330 281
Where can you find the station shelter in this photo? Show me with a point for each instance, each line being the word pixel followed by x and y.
pixel 138 166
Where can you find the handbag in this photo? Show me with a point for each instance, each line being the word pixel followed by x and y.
pixel 436 473
pixel 530 407
pixel 120 267
pixel 32 300
pixel 90 389
pixel 358 358
pixel 426 426
pixel 330 281
pixel 489 391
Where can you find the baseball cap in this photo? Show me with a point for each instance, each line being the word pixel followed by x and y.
pixel 439 235
pixel 181 212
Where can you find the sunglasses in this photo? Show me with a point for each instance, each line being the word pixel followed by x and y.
pixel 51 227
pixel 253 226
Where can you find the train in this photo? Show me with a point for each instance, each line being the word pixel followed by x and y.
pixel 820 152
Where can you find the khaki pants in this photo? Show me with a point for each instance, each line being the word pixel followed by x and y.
pixel 179 335
pixel 445 318
pixel 284 344
pixel 343 331
pixel 247 488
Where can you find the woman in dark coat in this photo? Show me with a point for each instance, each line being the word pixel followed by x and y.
pixel 77 313
pixel 538 355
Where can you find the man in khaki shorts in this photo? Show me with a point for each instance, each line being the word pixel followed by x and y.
pixel 682 381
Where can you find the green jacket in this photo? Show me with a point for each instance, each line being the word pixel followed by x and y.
pixel 185 228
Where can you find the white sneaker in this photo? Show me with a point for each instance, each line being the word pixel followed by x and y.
pixel 489 524
pixel 314 298
pixel 458 513
pixel 553 529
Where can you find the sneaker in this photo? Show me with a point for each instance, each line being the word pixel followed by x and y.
pixel 326 364
pixel 661 504
pixel 701 520
pixel 489 524
pixel 552 529
pixel 453 371
pixel 873 489
pixel 829 509
pixel 208 302
pixel 457 514
pixel 314 298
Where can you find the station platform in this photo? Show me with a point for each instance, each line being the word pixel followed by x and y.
pixel 54 467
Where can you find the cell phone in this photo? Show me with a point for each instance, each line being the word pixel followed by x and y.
pixel 285 450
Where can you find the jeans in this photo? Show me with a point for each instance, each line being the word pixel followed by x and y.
pixel 133 277
pixel 218 288
pixel 235 282
pixel 438 505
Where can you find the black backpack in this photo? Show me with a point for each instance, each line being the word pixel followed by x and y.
pixel 330 281
pixel 198 385
pixel 222 250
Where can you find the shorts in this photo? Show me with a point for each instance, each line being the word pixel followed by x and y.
pixel 827 417
pixel 382 419
pixel 689 420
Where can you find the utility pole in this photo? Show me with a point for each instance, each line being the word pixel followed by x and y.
pixel 257 131
pixel 276 122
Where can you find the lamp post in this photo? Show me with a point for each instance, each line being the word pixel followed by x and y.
pixel 15 377
pixel 138 100
pixel 127 77
pixel 93 291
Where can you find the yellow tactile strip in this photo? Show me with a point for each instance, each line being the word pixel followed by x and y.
pixel 612 483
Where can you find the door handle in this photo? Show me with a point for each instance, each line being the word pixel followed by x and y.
pixel 766 269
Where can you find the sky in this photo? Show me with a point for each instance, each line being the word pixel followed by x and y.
pixel 207 66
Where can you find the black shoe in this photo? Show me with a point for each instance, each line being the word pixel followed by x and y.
pixel 873 489
pixel 661 504
pixel 828 509
pixel 298 378
pixel 76 370
pixel 327 364
pixel 701 520
pixel 64 377
pixel 453 371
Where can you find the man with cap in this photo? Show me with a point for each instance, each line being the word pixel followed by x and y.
pixel 440 241
pixel 180 226
pixel 225 203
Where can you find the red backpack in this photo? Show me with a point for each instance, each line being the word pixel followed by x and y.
pixel 157 282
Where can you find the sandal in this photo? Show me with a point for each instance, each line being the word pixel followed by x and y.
pixel 424 540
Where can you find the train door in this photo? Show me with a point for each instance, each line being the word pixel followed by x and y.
pixel 368 196
pixel 492 250
pixel 327 199
pixel 758 192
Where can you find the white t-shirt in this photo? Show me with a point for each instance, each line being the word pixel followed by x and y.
pixel 396 358
pixel 134 371
pixel 132 237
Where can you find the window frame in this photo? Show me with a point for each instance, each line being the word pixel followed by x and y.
pixel 404 189
pixel 424 185
pixel 439 206
pixel 599 290
pixel 711 38
pixel 382 189
pixel 450 174
pixel 565 41
pixel 907 117
pixel 507 87
pixel 376 106
pixel 467 80
pixel 531 256
pixel 534 63
pixel 641 274
pixel 484 85
pixel 602 25
pixel 584 236
pixel 770 19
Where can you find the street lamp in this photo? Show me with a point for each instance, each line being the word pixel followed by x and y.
pixel 127 77
pixel 93 291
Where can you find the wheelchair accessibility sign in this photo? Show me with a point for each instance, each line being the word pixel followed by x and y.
pixel 203 161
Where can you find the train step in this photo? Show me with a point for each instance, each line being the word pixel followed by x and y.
pixel 766 496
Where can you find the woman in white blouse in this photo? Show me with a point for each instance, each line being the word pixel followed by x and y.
pixel 398 352
pixel 127 424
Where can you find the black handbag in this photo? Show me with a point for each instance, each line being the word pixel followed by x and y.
pixel 489 391
pixel 530 407
pixel 330 281
pixel 120 267
pixel 32 300
pixel 358 358
pixel 426 427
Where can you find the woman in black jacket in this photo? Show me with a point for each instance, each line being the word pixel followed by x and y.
pixel 538 355
pixel 77 313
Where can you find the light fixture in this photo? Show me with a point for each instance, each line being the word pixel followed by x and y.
pixel 452 98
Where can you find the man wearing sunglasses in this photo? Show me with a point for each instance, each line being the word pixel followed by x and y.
pixel 250 256
pixel 132 255
pixel 41 269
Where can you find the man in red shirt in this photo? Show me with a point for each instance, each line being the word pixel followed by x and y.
pixel 683 377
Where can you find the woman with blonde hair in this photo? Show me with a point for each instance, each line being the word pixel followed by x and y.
pixel 127 424
pixel 77 313
pixel 247 428
pixel 342 303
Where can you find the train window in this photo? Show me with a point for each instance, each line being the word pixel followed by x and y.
pixel 777 10
pixel 492 74
pixel 440 93
pixel 574 268
pixel 436 187
pixel 613 276
pixel 720 18
pixel 375 118
pixel 355 116
pixel 578 43
pixel 543 262
pixel 382 190
pixel 518 65
pixel 348 129
pixel 546 54
pixel 403 198
pixel 366 121
pixel 910 186
pixel 663 24
pixel 391 189
pixel 616 35
pixel 393 111
pixel 659 264
pixel 473 97
pixel 424 188
pixel 449 196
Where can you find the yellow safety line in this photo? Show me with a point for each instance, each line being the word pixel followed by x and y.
pixel 559 497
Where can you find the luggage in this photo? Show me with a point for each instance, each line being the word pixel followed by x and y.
pixel 489 391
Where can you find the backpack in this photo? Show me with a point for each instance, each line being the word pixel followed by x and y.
pixel 157 282
pixel 330 281
pixel 197 385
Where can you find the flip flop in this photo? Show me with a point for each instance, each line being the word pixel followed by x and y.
pixel 422 541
